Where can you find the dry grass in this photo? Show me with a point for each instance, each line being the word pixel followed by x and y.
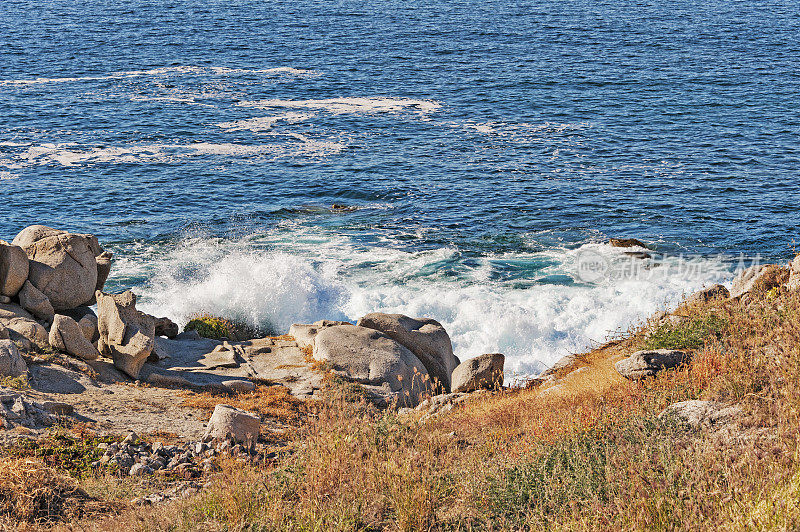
pixel 590 454
pixel 273 402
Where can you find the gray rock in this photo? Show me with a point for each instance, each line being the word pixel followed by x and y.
pixel 304 334
pixel 88 325
pixel 126 334
pixel 424 337
pixel 643 364
pixel 62 265
pixel 67 336
pixel 5 299
pixel 58 408
pixel 711 293
pixel 794 275
pixel 166 327
pixel 766 275
pixel 238 425
pixel 35 302
pixel 13 269
pixel 4 333
pixel 11 362
pixel 482 372
pixel 369 357
pixel 22 328
pixel 626 243
pixel 240 386
pixel 701 415
pixel 140 470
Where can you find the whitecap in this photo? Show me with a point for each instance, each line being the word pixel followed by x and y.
pixel 355 105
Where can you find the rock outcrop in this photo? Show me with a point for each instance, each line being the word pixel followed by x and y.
pixel 126 334
pixel 66 267
pixel 643 364
pixel 712 293
pixel 424 337
pixel 482 372
pixel 166 327
pixel 13 269
pixel 368 357
pixel 794 275
pixel 35 302
pixel 11 362
pixel 626 243
pixel 701 415
pixel 67 336
pixel 231 423
pixel 761 277
pixel 22 327
pixel 304 334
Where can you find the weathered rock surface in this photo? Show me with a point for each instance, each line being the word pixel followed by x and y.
pixel 371 358
pixel 11 362
pixel 424 337
pixel 64 266
pixel 166 327
pixel 126 334
pixel 643 364
pixel 67 336
pixel 760 277
pixel 22 327
pixel 231 423
pixel 794 275
pixel 626 243
pixel 13 269
pixel 16 409
pixel 702 415
pixel 482 372
pixel 88 325
pixel 35 302
pixel 712 293
pixel 304 334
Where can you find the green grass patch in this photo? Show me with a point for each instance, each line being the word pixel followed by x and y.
pixel 690 334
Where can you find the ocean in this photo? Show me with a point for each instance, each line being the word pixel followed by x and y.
pixel 478 155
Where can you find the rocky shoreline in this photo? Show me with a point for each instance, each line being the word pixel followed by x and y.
pixel 118 369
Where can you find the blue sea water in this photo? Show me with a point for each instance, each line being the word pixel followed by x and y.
pixel 479 149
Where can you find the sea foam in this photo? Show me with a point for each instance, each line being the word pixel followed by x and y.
pixel 274 280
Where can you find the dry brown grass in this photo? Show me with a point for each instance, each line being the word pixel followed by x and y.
pixel 589 455
pixel 273 402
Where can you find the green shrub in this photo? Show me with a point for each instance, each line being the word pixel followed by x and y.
pixel 690 334
pixel 209 326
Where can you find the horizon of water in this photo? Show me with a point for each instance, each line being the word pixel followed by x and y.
pixel 481 153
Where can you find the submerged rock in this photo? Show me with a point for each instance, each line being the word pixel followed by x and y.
pixel 126 334
pixel 66 267
pixel 648 363
pixel 424 337
pixel 626 243
pixel 482 372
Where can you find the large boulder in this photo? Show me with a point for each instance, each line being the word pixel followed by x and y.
pixel 643 364
pixel 126 334
pixel 482 372
pixel 760 278
pixel 231 423
pixel 13 269
pixel 304 333
pixel 11 362
pixel 65 267
pixel 67 336
pixel 701 415
pixel 424 337
pixel 22 327
pixel 35 302
pixel 373 359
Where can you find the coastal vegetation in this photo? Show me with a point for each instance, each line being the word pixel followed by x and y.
pixel 563 456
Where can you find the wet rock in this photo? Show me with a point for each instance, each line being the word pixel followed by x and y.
pixel 67 336
pixel 11 362
pixel 482 372
pixel 371 358
pixel 424 337
pixel 648 363
pixel 627 243
pixel 238 425
pixel 13 269
pixel 126 334
pixel 62 265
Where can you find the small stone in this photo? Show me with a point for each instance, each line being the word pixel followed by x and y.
pixel 140 470
pixel 240 386
pixel 60 409
pixel 131 438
